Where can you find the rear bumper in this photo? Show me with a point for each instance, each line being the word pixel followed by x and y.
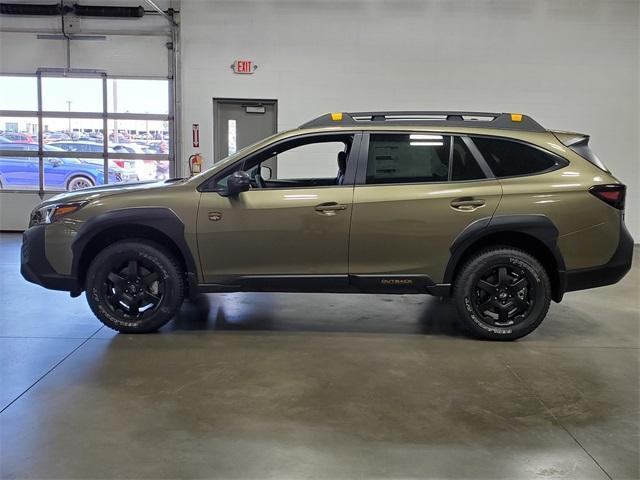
pixel 611 272
pixel 35 267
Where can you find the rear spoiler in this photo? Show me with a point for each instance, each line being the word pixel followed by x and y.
pixel 579 143
pixel 571 139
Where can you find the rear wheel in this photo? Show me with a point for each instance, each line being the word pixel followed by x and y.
pixel 78 183
pixel 134 286
pixel 502 294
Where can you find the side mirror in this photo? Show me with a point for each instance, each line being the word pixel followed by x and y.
pixel 266 172
pixel 237 183
pixel 55 162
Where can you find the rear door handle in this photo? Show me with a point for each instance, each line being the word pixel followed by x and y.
pixel 330 208
pixel 467 204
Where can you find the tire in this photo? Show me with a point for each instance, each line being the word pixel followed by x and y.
pixel 79 182
pixel 134 286
pixel 502 293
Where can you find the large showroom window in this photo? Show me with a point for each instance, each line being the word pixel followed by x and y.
pixel 66 133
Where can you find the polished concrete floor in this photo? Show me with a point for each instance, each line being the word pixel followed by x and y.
pixel 316 386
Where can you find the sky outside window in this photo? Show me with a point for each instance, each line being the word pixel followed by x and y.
pixel 138 96
pixel 18 93
pixel 72 94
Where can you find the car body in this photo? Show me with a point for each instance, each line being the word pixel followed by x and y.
pixel 60 173
pixel 18 137
pixel 157 146
pixel 145 169
pixel 491 209
pixel 126 168
pixel 49 137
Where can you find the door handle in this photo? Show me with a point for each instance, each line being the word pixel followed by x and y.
pixel 467 204
pixel 329 208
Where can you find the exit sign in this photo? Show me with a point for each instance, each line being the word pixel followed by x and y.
pixel 243 66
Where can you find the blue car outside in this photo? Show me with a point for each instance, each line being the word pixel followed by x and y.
pixel 60 173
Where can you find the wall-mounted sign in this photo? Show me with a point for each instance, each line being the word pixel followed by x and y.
pixel 195 131
pixel 243 66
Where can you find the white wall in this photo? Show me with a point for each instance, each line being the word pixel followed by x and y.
pixel 571 64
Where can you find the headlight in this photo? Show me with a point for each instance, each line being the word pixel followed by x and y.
pixel 51 213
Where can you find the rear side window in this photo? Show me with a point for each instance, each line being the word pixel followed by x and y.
pixel 464 165
pixel 408 158
pixel 511 159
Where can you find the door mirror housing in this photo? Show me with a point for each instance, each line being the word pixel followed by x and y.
pixel 55 162
pixel 237 183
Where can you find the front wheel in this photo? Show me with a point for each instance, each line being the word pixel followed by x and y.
pixel 502 294
pixel 134 286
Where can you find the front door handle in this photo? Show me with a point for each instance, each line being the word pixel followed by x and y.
pixel 467 204
pixel 329 208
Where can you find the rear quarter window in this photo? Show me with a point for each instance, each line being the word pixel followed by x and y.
pixel 507 158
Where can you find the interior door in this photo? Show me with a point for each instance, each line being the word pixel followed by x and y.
pixel 242 122
pixel 420 191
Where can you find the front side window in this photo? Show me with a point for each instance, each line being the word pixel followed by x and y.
pixel 300 162
pixel 408 158
pixel 510 159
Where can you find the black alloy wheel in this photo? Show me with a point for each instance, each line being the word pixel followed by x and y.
pixel 135 289
pixel 503 296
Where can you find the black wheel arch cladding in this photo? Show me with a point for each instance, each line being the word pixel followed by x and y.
pixel 539 227
pixel 164 220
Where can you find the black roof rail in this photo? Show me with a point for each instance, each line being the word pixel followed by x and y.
pixel 511 121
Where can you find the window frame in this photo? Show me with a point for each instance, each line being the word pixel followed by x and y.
pixel 560 161
pixel 105 155
pixel 208 185
pixel 361 177
pixel 467 138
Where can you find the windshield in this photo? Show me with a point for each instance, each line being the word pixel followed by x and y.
pixel 232 158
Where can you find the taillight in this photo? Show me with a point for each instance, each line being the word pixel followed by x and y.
pixel 612 194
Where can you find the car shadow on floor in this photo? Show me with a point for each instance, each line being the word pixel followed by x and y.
pixel 390 314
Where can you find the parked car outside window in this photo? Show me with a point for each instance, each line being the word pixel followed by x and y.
pixel 17 172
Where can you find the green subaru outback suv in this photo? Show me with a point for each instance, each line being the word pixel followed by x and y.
pixel 490 209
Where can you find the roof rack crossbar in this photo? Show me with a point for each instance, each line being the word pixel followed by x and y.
pixel 430 118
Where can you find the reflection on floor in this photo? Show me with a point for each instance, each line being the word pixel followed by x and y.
pixel 315 386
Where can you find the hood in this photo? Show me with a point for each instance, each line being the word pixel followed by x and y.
pixel 95 193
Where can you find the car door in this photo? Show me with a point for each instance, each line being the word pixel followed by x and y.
pixel 290 231
pixel 19 172
pixel 416 192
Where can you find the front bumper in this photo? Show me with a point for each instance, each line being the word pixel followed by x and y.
pixel 611 272
pixel 35 267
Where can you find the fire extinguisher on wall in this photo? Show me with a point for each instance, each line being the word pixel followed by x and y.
pixel 195 164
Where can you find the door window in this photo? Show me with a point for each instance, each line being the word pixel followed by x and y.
pixel 318 160
pixel 408 158
pixel 309 161
pixel 464 166
pixel 509 159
